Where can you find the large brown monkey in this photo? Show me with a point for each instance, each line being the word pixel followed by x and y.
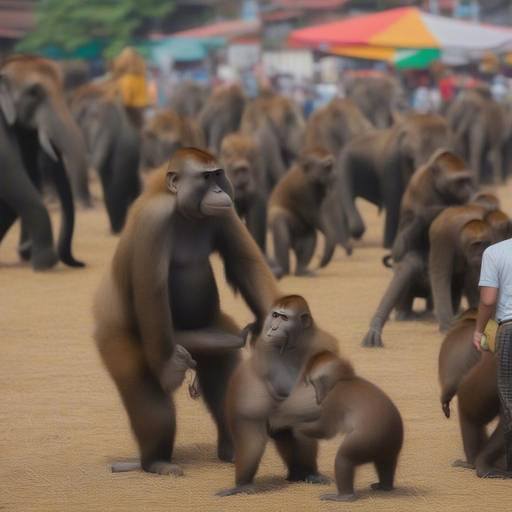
pixel 263 382
pixel 334 124
pixel 161 290
pixel 240 159
pixel 442 182
pixel 458 237
pixel 472 377
pixel 295 210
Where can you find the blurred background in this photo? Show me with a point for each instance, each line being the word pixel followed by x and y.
pixel 260 43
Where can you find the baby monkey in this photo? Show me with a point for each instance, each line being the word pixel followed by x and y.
pixel 296 390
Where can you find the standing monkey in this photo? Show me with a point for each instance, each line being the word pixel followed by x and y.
pixel 161 291
pixel 295 211
pixel 264 382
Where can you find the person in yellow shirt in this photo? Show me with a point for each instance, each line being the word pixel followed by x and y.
pixel 129 75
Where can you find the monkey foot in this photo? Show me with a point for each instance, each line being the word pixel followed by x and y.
pixel 373 338
pixel 240 489
pixel 314 478
pixel 338 497
pixel 459 463
pixel 349 249
pixel 493 473
pixel 164 468
pixel 225 451
pixel 381 487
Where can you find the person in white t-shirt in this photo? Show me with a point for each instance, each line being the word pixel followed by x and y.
pixel 496 296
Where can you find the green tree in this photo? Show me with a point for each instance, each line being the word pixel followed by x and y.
pixel 69 24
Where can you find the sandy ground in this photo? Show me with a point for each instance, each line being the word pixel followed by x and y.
pixel 62 422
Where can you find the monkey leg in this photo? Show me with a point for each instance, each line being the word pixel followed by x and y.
pixel 214 371
pixel 250 439
pixel 407 272
pixel 299 454
pixel 304 247
pixel 473 439
pixel 385 468
pixel 344 471
pixel 493 449
pixel 25 244
pixel 150 410
pixel 282 242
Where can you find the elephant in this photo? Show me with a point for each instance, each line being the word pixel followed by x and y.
pixel 377 96
pixel 166 132
pixel 114 148
pixel 221 115
pixel 378 165
pixel 277 126
pixel 37 132
pixel 478 123
pixel 458 237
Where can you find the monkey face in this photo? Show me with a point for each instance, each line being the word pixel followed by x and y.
pixel 283 325
pixel 458 187
pixel 319 168
pixel 202 190
pixel 239 173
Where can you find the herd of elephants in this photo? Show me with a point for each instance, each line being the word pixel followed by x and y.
pixel 220 172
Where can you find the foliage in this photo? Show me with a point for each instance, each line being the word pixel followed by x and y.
pixel 69 24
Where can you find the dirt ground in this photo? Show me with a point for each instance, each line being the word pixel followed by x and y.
pixel 62 422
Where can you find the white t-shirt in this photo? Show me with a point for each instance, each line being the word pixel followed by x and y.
pixel 496 272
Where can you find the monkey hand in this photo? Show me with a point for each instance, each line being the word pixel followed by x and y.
pixel 373 338
pixel 173 372
pixel 446 408
pixel 250 332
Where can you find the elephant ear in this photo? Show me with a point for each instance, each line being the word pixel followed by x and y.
pixel 6 101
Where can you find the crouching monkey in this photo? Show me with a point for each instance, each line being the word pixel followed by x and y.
pixel 160 291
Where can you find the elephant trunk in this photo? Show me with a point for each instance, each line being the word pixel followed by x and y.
pixel 60 137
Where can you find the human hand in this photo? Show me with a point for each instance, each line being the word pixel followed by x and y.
pixel 477 340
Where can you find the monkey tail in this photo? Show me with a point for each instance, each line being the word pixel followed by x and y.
pixel 387 261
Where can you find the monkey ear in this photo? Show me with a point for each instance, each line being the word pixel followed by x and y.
pixel 171 180
pixel 305 320
pixel 6 101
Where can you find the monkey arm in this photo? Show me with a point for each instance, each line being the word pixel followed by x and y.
pixel 151 241
pixel 408 237
pixel 404 275
pixel 208 340
pixel 440 265
pixel 245 267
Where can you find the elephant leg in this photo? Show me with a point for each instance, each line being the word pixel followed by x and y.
pixel 405 274
pixel 22 197
pixel 25 244
pixel 304 247
pixel 7 218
